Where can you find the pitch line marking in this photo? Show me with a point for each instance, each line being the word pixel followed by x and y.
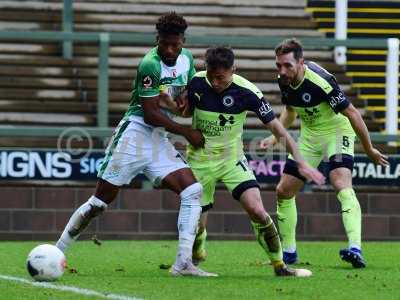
pixel 67 288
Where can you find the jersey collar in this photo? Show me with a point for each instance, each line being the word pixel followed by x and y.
pixel 208 82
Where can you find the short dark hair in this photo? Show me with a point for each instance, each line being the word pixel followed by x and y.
pixel 288 46
pixel 171 23
pixel 219 57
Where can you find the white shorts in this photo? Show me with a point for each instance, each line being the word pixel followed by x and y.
pixel 136 147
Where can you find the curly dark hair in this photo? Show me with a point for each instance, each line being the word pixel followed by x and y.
pixel 171 23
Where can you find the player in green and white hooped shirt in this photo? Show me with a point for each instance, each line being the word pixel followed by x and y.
pixel 219 101
pixel 329 123
pixel 139 144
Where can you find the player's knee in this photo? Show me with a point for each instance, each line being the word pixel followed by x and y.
pixel 340 184
pixel 106 191
pixel 283 192
pixel 87 211
pixel 340 178
pixel 258 214
pixel 92 208
pixel 94 211
pixel 192 194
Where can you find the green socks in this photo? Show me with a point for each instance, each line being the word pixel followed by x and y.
pixel 200 242
pixel 287 221
pixel 351 216
pixel 268 238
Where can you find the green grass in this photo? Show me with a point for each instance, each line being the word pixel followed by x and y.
pixel 131 268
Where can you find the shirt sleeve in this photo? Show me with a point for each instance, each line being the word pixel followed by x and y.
pixel 258 104
pixel 193 93
pixel 336 97
pixel 148 82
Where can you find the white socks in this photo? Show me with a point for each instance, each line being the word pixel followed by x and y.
pixel 79 220
pixel 189 214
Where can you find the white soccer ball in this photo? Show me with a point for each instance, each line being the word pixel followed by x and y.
pixel 46 263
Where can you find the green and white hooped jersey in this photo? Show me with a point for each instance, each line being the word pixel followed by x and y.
pixel 221 116
pixel 318 100
pixel 153 77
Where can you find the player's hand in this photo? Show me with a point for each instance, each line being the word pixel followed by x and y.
pixel 182 100
pixel 311 174
pixel 195 138
pixel 377 157
pixel 182 103
pixel 268 143
pixel 166 101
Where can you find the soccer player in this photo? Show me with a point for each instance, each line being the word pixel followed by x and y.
pixel 218 101
pixel 329 123
pixel 139 145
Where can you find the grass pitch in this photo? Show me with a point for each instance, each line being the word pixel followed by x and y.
pixel 132 268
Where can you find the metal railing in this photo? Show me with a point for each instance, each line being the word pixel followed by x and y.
pixel 68 26
pixel 104 40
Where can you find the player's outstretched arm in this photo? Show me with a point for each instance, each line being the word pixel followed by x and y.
pixel 361 130
pixel 154 117
pixel 287 117
pixel 281 133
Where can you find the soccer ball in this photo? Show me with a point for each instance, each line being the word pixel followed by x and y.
pixel 46 263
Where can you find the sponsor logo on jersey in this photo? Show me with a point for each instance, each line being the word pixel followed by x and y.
pixel 311 112
pixel 265 108
pixel 114 170
pixel 336 100
pixel 198 96
pixel 147 82
pixel 306 97
pixel 223 120
pixel 310 115
pixel 228 101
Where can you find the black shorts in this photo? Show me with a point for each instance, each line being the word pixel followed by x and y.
pixel 335 161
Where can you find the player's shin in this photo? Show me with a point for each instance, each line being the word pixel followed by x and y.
pixel 199 252
pixel 351 216
pixel 287 222
pixel 79 220
pixel 268 238
pixel 189 214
